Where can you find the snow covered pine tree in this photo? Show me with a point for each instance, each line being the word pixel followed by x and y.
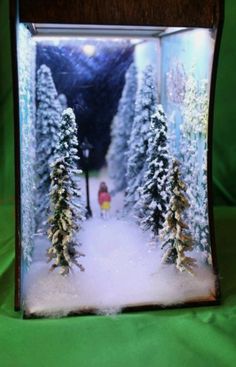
pixel 175 234
pixel 48 117
pixel 190 144
pixel 121 130
pixel 201 234
pixel 67 147
pixel 151 207
pixel 63 223
pixel 145 106
pixel 67 209
pixel 194 160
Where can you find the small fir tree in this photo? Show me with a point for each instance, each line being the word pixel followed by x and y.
pixel 64 222
pixel 145 106
pixel 48 117
pixel 121 130
pixel 153 194
pixel 175 235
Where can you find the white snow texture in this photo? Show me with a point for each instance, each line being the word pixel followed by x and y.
pixel 121 269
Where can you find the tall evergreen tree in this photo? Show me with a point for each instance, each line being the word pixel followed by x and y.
pixel 121 130
pixel 194 160
pixel 48 116
pixel 68 211
pixel 26 58
pixel 67 148
pixel 175 234
pixel 145 105
pixel 64 222
pixel 190 144
pixel 201 224
pixel 151 207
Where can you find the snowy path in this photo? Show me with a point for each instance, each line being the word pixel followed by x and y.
pixel 120 270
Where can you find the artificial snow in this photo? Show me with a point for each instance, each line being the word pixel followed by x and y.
pixel 122 268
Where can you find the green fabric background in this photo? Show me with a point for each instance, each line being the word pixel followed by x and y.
pixel 197 336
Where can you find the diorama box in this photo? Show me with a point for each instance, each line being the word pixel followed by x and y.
pixel 113 134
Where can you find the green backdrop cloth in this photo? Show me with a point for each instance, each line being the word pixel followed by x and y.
pixel 196 337
pixel 203 336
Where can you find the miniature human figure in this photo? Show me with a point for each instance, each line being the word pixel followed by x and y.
pixel 104 200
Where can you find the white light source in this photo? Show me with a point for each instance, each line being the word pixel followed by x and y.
pixel 89 50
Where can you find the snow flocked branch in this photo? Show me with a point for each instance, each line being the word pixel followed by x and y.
pixel 175 235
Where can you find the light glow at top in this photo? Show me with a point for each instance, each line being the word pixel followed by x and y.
pixel 89 50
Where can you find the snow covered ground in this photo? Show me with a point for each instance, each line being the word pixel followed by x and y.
pixel 121 269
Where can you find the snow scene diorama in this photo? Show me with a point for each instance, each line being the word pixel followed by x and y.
pixel 114 197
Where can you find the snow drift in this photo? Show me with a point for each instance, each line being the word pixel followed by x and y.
pixel 121 269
